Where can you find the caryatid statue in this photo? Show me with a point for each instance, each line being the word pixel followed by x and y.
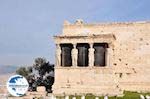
pixel 74 55
pixel 58 55
pixel 91 55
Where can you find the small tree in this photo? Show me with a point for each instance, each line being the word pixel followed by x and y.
pixel 40 74
pixel 45 70
pixel 39 62
pixel 23 71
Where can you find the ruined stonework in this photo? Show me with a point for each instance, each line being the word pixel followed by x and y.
pixel 102 58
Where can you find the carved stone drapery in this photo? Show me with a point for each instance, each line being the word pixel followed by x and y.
pixel 108 56
pixel 91 55
pixel 58 55
pixel 74 55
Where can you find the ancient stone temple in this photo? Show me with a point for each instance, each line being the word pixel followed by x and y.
pixel 101 59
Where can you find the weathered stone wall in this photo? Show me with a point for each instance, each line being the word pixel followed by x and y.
pixel 130 60
pixel 85 80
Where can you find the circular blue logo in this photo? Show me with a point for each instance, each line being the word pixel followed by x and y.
pixel 17 85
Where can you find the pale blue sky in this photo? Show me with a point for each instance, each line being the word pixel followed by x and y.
pixel 27 27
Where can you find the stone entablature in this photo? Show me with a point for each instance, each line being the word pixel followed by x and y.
pixel 116 58
pixel 109 38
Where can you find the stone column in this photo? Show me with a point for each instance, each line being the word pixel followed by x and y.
pixel 108 56
pixel 58 55
pixel 74 54
pixel 91 55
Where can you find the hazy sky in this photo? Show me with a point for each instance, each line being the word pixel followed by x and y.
pixel 27 27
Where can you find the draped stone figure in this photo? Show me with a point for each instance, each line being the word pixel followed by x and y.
pixel 109 52
pixel 74 56
pixel 58 55
pixel 91 55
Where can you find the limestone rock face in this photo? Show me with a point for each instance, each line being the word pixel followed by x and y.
pixel 127 59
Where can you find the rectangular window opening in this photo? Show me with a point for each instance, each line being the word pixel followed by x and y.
pixel 66 59
pixel 82 54
pixel 100 54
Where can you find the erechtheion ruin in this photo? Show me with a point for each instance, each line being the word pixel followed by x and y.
pixel 101 59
